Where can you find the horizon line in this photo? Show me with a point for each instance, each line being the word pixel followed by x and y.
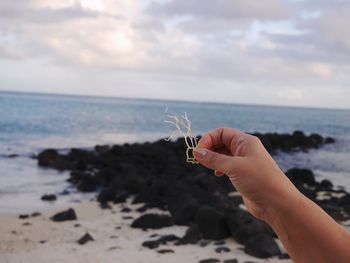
pixel 173 100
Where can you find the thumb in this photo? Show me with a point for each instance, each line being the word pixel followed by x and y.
pixel 216 161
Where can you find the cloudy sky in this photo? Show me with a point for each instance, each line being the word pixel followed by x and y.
pixel 280 52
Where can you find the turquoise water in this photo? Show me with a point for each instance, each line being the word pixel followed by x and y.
pixel 30 122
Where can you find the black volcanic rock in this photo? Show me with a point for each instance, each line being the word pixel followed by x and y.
pixel 85 238
pixel 301 176
pixel 153 221
pixel 48 157
pixel 49 197
pixel 212 224
pixel 64 216
pixel 151 244
pixel 262 246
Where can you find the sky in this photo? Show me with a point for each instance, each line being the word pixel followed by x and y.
pixel 276 52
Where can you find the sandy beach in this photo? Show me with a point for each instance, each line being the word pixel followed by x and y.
pixel 38 239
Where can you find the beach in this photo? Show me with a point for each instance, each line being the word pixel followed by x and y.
pixel 114 240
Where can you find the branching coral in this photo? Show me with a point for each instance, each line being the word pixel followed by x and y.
pixel 183 127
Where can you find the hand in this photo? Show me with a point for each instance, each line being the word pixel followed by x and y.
pixel 251 169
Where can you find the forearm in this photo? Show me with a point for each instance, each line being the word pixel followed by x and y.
pixel 307 232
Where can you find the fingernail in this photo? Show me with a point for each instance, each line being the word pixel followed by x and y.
pixel 200 152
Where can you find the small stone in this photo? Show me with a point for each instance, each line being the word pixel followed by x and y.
pixel 222 249
pixel 151 244
pixel 42 241
pixel 203 243
pixel 24 216
pixel 36 214
pixel 165 251
pixel 49 197
pixel 218 243
pixel 76 225
pixel 85 238
pixel 105 206
pixel 126 210
pixel 64 216
pixel 128 217
pixel 26 224
pixel 233 260
pixel 210 260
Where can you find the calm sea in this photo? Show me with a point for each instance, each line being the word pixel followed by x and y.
pixel 31 122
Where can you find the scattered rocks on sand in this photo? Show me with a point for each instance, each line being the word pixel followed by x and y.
pixel 49 197
pixel 64 216
pixel 153 221
pixel 85 238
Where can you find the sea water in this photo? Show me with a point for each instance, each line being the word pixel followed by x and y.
pixel 32 122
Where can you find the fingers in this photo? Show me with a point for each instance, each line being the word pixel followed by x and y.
pixel 220 137
pixel 216 161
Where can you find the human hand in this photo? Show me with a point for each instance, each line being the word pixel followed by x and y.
pixel 250 168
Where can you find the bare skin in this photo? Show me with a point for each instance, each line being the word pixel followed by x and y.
pixel 306 231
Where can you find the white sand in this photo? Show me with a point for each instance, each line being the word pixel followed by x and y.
pixel 20 243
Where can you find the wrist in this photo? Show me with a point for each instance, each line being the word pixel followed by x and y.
pixel 286 202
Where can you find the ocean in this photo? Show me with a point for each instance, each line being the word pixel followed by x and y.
pixel 32 122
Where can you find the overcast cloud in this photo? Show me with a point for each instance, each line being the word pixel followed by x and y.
pixel 281 52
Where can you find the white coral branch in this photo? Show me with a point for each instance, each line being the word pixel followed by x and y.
pixel 183 127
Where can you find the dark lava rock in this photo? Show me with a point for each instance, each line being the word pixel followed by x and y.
pixel 126 210
pixel 222 249
pixel 191 236
pixel 210 260
pixel 49 197
pixel 153 221
pixel 64 216
pixel 24 216
pixel 165 251
pixel 105 206
pixel 212 224
pixel 168 238
pixel 48 157
pixel 301 176
pixel 85 238
pixel 262 246
pixel 246 231
pixel 326 184
pixel 151 244
pixel 233 260
pixel 121 197
pixel 26 224
pixel 35 214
